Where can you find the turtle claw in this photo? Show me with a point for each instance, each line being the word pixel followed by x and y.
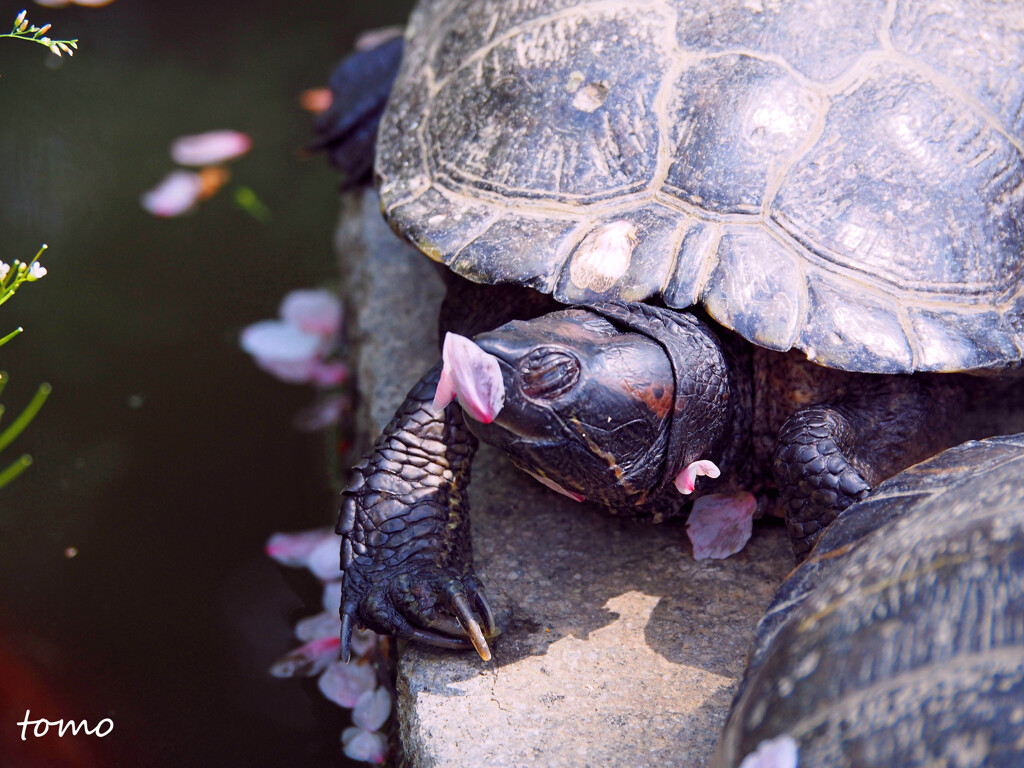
pixel 438 608
pixel 471 626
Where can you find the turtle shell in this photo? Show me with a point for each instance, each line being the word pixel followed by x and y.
pixel 841 176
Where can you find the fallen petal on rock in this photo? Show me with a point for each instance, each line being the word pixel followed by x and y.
pixel 720 524
pixel 313 310
pixel 780 752
pixel 294 549
pixel 210 148
pixel 176 194
pixel 343 683
pixel 309 659
pixel 372 709
pixel 360 744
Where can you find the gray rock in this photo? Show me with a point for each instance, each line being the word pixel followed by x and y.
pixel 618 648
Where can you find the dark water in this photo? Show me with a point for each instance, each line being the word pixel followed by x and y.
pixel 163 456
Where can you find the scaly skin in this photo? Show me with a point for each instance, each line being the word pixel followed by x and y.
pixel 406 554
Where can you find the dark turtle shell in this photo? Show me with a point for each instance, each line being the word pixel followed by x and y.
pixel 900 642
pixel 841 176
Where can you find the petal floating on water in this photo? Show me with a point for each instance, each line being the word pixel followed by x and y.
pixel 176 194
pixel 343 683
pixel 210 148
pixel 281 342
pixel 372 709
pixel 309 659
pixel 316 311
pixel 295 548
pixel 363 745
pixel 319 625
pixel 325 560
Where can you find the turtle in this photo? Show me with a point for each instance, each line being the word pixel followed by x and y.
pixel 739 253
pixel 937 551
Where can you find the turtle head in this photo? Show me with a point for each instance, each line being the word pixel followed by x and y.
pixel 589 404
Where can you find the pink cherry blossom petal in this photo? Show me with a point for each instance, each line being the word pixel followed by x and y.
pixel 372 38
pixel 445 391
pixel 328 374
pixel 176 194
pixel 686 480
pixel 325 559
pixel 312 310
pixel 363 641
pixel 318 626
pixel 360 744
pixel 331 599
pixel 780 752
pixel 343 683
pixel 326 412
pixel 309 659
pixel 210 148
pixel 294 549
pixel 372 710
pixel 476 376
pixel 720 524
pixel 280 342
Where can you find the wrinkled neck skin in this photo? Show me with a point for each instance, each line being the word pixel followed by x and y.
pixel 610 403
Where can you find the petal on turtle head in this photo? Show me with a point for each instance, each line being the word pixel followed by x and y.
pixel 344 682
pixel 475 376
pixel 686 480
pixel 372 710
pixel 445 391
pixel 360 744
pixel 720 524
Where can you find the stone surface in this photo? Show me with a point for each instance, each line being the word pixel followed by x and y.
pixel 618 648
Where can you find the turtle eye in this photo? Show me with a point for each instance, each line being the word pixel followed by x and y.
pixel 547 374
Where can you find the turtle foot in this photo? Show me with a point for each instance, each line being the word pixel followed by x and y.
pixel 426 604
pixel 814 474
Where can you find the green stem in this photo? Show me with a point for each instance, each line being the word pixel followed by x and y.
pixel 26 416
pixel 15 469
pixel 11 335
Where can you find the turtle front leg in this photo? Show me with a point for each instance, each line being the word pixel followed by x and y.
pixel 406 552
pixel 829 456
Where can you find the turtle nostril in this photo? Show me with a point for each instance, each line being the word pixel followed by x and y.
pixel 547 374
